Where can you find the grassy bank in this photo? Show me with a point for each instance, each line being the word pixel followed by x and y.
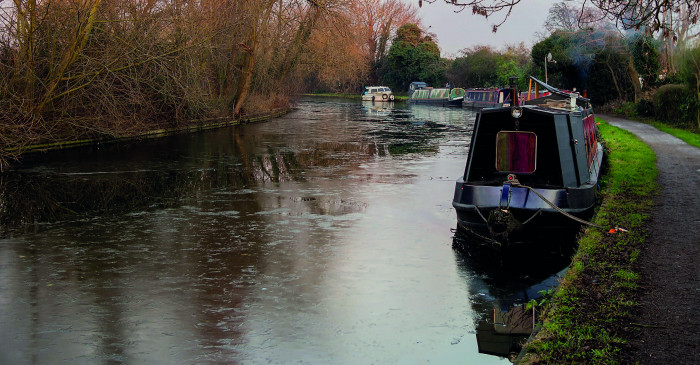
pixel 686 136
pixel 587 318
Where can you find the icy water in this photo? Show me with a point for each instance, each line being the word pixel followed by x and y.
pixel 322 237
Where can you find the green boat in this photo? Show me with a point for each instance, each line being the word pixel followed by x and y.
pixel 420 93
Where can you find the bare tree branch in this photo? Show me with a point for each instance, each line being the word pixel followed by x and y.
pixel 627 14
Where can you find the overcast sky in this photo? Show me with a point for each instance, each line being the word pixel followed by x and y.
pixel 456 31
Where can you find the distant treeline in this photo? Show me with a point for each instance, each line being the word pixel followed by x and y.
pixel 629 71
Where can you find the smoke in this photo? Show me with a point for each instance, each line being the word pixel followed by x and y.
pixel 587 44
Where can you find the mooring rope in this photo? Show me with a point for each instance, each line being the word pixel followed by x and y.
pixel 514 182
pixel 533 216
pixel 566 214
pixel 481 215
pixel 481 237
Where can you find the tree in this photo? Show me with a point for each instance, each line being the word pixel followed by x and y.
pixel 506 68
pixel 482 66
pixel 363 30
pixel 562 16
pixel 571 60
pixel 92 68
pixel 625 13
pixel 413 57
pixel 374 22
pixel 690 72
pixel 323 68
pixel 646 58
pixel 570 17
pixel 596 60
pixel 260 12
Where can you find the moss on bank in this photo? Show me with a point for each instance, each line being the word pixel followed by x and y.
pixel 586 320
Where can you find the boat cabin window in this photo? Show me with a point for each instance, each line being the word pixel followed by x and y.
pixel 516 152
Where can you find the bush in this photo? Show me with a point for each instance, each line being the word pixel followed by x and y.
pixel 675 105
pixel 628 109
pixel 645 108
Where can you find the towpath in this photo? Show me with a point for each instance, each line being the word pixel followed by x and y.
pixel 669 325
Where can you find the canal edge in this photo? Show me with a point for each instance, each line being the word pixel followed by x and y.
pixel 195 126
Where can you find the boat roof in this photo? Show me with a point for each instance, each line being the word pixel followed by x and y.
pixel 532 108
pixel 483 89
pixel 557 94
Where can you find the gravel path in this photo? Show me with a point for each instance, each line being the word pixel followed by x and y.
pixel 669 324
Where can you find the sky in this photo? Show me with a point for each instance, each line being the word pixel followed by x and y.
pixel 456 31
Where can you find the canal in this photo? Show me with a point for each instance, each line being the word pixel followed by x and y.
pixel 321 237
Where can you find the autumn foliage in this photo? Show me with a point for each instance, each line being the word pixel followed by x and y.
pixel 73 69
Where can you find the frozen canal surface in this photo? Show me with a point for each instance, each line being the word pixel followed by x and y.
pixel 322 237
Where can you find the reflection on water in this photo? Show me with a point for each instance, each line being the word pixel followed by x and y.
pixel 502 283
pixel 505 333
pixel 319 237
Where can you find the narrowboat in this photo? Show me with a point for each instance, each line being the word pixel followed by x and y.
pixel 421 93
pixel 532 169
pixel 487 98
pixel 493 98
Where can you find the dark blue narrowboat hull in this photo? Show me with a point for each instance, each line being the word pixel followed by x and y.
pixel 536 219
pixel 478 105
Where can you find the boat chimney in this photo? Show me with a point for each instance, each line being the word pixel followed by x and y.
pixel 513 81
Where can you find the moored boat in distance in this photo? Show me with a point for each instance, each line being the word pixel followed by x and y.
pixel 421 93
pixel 494 97
pixel 532 169
pixel 487 98
pixel 377 93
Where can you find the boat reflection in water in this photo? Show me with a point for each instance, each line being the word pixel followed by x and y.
pixel 381 110
pixel 505 333
pixel 502 284
pixel 446 116
pixel 418 114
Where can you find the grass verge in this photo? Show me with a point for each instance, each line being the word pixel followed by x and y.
pixel 686 136
pixel 586 320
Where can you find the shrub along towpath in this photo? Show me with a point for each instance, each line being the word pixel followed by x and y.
pixel 667 327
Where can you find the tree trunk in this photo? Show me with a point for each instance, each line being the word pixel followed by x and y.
pixel 70 56
pixel 261 12
pixel 230 73
pixel 614 80
pixel 24 59
pixel 697 98
pixel 246 75
pixel 635 81
pixel 300 39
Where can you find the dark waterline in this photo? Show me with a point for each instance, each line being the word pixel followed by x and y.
pixel 320 237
